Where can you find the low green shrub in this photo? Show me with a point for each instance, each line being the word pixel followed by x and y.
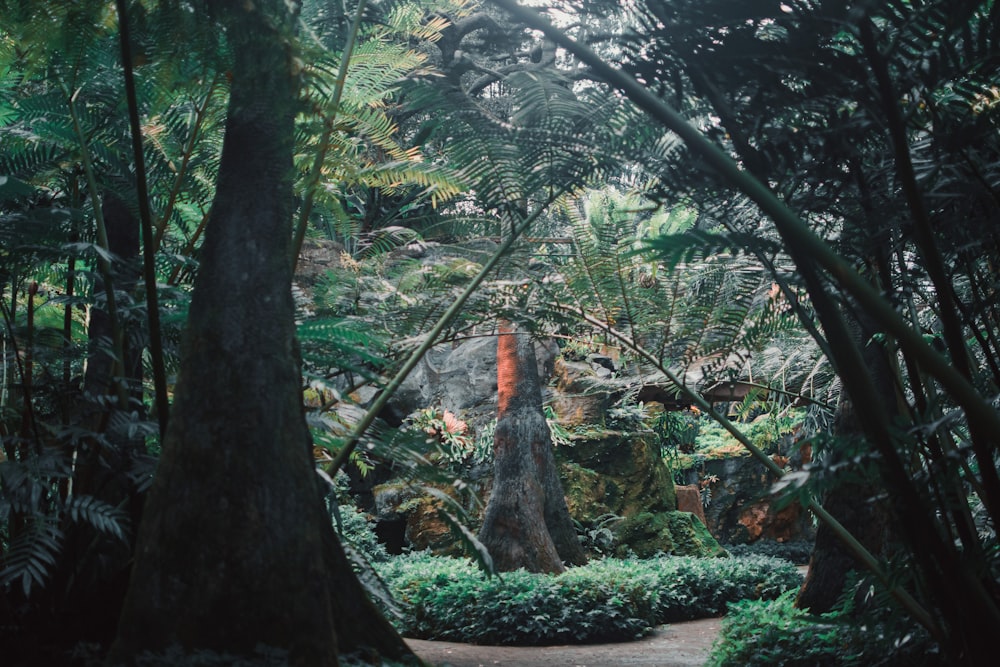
pixel 690 587
pixel 774 632
pixel 356 529
pixel 796 551
pixel 607 600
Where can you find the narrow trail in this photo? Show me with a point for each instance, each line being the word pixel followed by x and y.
pixel 676 645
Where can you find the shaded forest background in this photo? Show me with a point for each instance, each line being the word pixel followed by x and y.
pixel 806 191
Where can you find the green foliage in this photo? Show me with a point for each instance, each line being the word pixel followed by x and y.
pixel 359 174
pixel 560 436
pixel 598 536
pixel 797 551
pixel 676 433
pixel 33 509
pixel 607 600
pixel 768 432
pixel 447 430
pixel 627 417
pixel 356 528
pixel 774 632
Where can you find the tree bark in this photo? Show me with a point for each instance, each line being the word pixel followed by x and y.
pixel 90 582
pixel 527 524
pixel 854 504
pixel 236 550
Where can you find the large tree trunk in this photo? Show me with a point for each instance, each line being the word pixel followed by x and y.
pixel 527 524
pixel 235 549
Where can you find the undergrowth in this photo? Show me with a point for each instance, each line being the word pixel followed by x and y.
pixel 774 632
pixel 605 601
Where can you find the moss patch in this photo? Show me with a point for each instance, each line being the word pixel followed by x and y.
pixel 679 533
pixel 615 473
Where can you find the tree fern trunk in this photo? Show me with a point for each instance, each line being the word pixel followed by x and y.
pixel 235 550
pixel 527 523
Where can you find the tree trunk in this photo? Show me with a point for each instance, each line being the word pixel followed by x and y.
pixel 89 584
pixel 236 550
pixel 854 504
pixel 527 524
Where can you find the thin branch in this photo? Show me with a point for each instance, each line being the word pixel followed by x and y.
pixel 312 181
pixel 146 222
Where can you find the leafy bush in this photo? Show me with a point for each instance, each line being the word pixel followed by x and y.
pixel 355 528
pixel 598 536
pixel 796 551
pixel 690 587
pixel 776 633
pixel 607 600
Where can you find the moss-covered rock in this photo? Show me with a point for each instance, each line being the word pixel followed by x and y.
pixel 622 474
pixel 615 473
pixel 423 527
pixel 691 537
pixel 679 533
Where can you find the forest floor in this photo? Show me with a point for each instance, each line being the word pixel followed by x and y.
pixel 675 645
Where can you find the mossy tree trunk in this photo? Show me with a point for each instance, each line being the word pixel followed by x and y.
pixel 527 523
pixel 235 549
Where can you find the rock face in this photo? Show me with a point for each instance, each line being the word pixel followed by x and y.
pixel 461 377
pixel 689 500
pixel 739 509
pixel 622 475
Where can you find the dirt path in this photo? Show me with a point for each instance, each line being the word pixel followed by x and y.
pixel 677 645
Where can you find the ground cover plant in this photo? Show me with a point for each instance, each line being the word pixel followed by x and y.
pixel 775 632
pixel 605 601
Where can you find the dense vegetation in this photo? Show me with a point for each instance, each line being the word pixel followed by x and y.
pixel 605 601
pixel 799 196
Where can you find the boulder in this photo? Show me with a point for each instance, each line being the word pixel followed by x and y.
pixel 689 500
pixel 460 377
pixel 679 533
pixel 576 400
pixel 616 474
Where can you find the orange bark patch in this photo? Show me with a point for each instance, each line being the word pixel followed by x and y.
pixel 507 368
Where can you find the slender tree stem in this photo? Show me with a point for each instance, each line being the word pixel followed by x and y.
pixel 103 262
pixel 146 222
pixel 312 182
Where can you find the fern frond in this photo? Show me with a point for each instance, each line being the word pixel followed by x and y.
pixel 99 514
pixel 31 556
pixel 696 245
